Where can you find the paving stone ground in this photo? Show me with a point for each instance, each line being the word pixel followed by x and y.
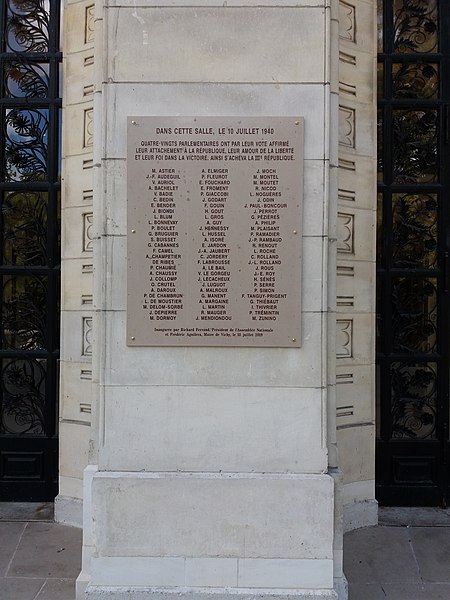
pixel 398 562
pixel 407 557
pixel 40 559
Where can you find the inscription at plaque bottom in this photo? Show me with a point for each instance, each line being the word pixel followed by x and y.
pixel 214 231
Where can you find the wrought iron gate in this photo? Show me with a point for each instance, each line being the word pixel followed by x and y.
pixel 413 252
pixel 30 62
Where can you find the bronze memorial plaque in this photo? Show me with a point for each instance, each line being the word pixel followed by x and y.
pixel 214 231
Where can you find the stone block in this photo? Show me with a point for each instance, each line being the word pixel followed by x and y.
pixel 77 232
pixel 259 367
pixel 73 435
pixel 114 180
pixel 77 141
pixel 285 573
pixel 358 80
pixel 138 571
pixel 211 572
pixel 355 392
pixel 78 78
pixel 76 391
pixel 354 339
pixel 357 292
pixel 77 182
pixel 359 190
pixel 357 451
pixel 78 25
pixel 313 266
pixel 70 487
pixel 205 428
pixel 76 336
pixel 213 515
pixel 76 288
pixel 221 45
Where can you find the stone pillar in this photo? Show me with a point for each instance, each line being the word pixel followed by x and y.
pixel 212 471
pixel 76 257
pixel 356 260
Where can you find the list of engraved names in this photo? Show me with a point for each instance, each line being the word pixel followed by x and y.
pixel 214 231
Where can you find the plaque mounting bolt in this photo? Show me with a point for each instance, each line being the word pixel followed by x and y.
pixel 133 338
pixel 133 122
pixel 295 232
pixel 297 122
pixel 133 231
pixel 293 339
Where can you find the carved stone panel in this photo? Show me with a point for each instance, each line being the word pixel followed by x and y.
pixel 344 338
pixel 347 22
pixel 347 126
pixel 89 24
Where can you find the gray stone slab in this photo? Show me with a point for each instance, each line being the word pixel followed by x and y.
pixel 379 555
pixel 26 511
pixel 48 550
pixel 9 535
pixel 413 517
pixel 431 546
pixel 144 593
pixel 57 589
pixel 20 589
pixel 362 591
pixel 432 591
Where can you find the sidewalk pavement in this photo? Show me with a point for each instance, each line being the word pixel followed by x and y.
pixel 39 559
pixel 407 557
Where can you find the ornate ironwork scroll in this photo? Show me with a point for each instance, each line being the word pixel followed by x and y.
pixel 415 26
pixel 414 315
pixel 26 144
pixel 27 26
pixel 23 312
pixel 414 146
pixel 25 78
pixel 415 80
pixel 23 396
pixel 25 220
pixel 414 400
pixel 414 230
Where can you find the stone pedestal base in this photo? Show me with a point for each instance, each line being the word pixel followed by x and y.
pixel 206 536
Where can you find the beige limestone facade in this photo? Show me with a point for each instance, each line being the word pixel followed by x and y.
pixel 356 261
pixel 206 472
pixel 76 257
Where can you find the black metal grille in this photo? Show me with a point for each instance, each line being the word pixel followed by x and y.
pixel 30 104
pixel 413 242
